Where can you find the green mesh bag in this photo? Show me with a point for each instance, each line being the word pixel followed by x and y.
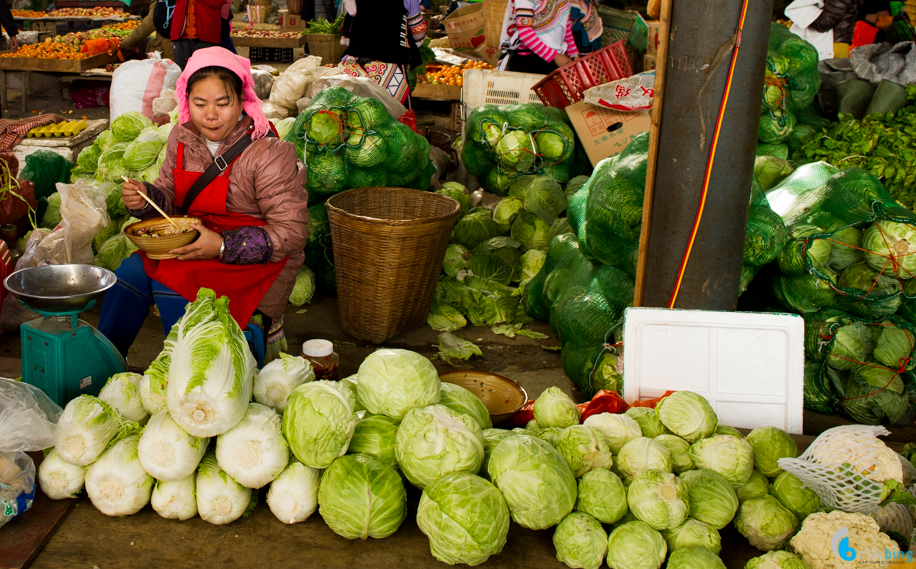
pixel 319 227
pixel 46 169
pixel 827 202
pixel 575 209
pixel 791 84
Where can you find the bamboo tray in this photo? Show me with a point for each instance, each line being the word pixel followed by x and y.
pixel 55 65
pixel 240 41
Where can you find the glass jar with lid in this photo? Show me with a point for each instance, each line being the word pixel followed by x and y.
pixel 325 361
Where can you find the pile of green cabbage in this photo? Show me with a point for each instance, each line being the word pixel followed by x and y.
pixel 349 142
pixel 495 252
pixel 633 489
pixel 504 143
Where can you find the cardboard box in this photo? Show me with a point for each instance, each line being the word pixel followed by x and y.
pixel 488 53
pixel 291 21
pixel 465 28
pixel 652 42
pixel 604 132
pixel 649 62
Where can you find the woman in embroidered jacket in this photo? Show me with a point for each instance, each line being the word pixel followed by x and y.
pixel 544 29
pixel 254 212
pixel 384 35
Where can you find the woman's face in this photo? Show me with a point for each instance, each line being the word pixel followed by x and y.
pixel 215 110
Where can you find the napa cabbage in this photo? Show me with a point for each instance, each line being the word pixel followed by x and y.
pixel 277 380
pixel 254 451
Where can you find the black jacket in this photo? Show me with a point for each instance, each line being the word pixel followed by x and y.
pixel 6 18
pixel 839 16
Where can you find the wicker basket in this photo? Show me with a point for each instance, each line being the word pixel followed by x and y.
pixel 494 12
pixel 327 47
pixel 388 245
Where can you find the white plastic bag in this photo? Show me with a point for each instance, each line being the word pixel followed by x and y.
pixel 27 417
pixel 82 207
pixel 291 84
pixel 17 485
pixel 263 83
pixel 272 111
pixel 137 83
pixel 165 103
pixel 634 93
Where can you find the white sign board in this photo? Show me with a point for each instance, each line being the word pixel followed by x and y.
pixel 749 366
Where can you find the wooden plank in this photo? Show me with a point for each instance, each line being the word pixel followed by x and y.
pixel 23 538
pixel 664 33
pixel 436 92
pixel 55 65
pixel 241 41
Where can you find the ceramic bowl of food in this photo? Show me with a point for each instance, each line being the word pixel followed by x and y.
pixel 156 236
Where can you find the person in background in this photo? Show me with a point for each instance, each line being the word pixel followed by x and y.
pixel 384 35
pixel 325 9
pixel 9 24
pixel 254 214
pixel 134 44
pixel 839 16
pixel 587 26
pixel 544 30
pixel 196 24
pixel 226 29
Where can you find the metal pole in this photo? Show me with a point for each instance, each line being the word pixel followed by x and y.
pixel 701 44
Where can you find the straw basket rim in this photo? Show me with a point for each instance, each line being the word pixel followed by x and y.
pixel 332 205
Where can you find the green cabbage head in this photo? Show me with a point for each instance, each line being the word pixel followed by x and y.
pixel 465 518
pixel 648 420
pixel 659 499
pixel 852 345
pixel 694 557
pixel 515 151
pixel 756 486
pixel 583 448
pixel 391 382
pixel 435 441
pixel 790 492
pixel 732 457
pixel 636 545
pixel 688 416
pixel 376 435
pixel 642 454
pixel 602 496
pixel 693 532
pixel 535 481
pixel 318 423
pixel 890 247
pixel 678 449
pixel 618 429
pixel 712 499
pixel 361 497
pixel 765 523
pixel 770 444
pixel 894 346
pixel 555 409
pixel 580 541
pixel 460 400
pixel 491 438
pixel 304 288
pixel 776 560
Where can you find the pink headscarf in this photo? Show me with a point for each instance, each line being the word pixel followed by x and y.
pixel 221 57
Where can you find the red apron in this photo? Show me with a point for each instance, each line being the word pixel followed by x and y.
pixel 245 285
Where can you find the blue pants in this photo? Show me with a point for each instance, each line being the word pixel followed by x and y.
pixel 127 304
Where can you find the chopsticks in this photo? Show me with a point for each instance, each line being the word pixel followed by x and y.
pixel 156 207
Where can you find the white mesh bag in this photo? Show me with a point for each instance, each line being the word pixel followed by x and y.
pixel 848 468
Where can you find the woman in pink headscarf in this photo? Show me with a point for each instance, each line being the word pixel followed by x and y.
pixel 224 165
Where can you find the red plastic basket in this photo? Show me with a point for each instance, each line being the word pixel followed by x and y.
pixel 567 84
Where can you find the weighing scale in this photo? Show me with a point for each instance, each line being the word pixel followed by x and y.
pixel 62 355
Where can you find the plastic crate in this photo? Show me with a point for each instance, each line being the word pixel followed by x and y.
pixel 488 87
pixel 567 84
pixel 623 25
pixel 43 27
pixel 280 54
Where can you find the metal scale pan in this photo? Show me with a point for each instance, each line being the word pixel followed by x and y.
pixel 63 356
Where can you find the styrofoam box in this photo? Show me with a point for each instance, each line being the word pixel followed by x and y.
pixel 749 366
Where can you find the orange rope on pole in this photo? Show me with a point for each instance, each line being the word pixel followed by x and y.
pixel 712 157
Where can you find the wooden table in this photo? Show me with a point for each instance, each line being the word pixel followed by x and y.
pixel 287 43
pixel 450 93
pixel 77 19
pixel 26 65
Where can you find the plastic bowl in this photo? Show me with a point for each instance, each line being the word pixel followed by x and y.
pixel 158 247
pixel 502 397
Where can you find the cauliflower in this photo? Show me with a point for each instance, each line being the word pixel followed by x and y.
pixel 815 542
pixel 867 454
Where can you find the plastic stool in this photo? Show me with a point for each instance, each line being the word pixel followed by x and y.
pixel 257 343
